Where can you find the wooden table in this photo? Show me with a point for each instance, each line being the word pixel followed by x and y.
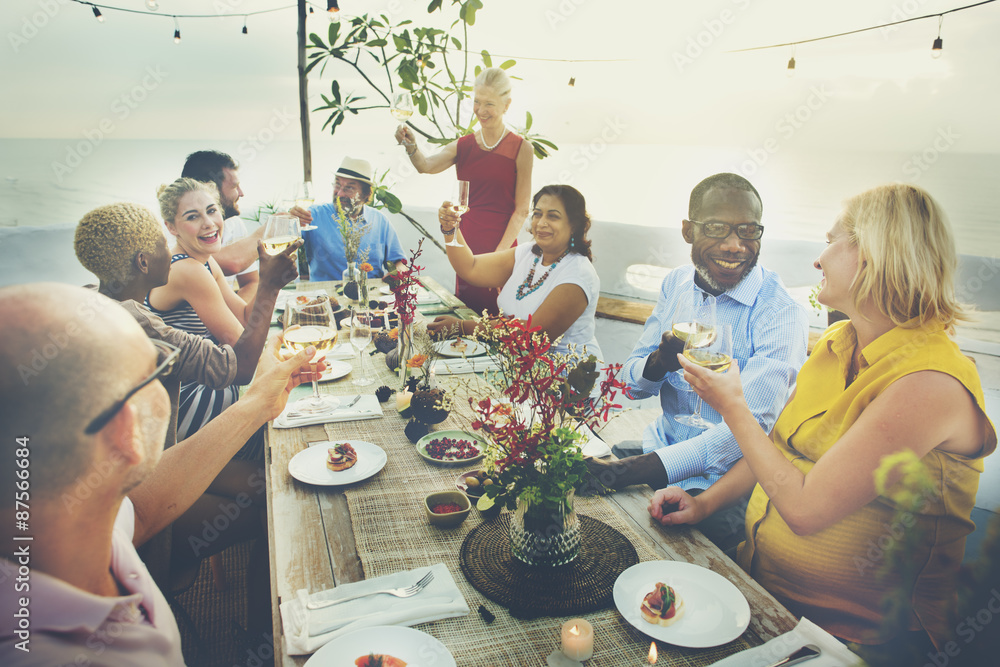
pixel 311 530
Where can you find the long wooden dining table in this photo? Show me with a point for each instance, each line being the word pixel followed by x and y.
pixel 321 537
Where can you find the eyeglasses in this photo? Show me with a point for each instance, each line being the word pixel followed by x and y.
pixel 748 231
pixel 166 359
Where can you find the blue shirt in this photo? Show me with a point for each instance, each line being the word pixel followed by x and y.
pixel 325 244
pixel 770 335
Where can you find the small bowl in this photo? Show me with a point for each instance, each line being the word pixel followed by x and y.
pixel 451 519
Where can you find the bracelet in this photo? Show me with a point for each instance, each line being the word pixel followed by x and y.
pixel 413 152
pixel 448 232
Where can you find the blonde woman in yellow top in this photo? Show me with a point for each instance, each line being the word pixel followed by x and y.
pixel 887 380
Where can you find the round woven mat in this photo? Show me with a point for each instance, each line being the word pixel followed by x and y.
pixel 583 586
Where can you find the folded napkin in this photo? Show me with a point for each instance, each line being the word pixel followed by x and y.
pixel 593 445
pixel 834 653
pixel 426 296
pixel 306 630
pixel 342 351
pixel 458 365
pixel 367 407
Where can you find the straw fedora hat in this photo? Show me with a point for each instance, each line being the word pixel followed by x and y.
pixel 359 170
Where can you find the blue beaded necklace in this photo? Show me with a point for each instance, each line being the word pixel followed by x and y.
pixel 526 288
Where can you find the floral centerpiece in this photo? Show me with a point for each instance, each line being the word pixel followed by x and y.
pixel 353 227
pixel 404 290
pixel 536 413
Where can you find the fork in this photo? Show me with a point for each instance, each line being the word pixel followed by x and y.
pixel 407 592
pixel 293 414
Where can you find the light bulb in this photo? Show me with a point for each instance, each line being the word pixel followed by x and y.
pixel 244 29
pixel 332 6
pixel 97 14
pixel 177 36
pixel 938 48
pixel 153 4
pixel 790 72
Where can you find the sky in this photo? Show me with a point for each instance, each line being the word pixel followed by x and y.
pixel 675 79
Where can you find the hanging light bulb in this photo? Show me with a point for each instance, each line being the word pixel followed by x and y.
pixel 177 31
pixel 97 14
pixel 332 6
pixel 572 81
pixel 153 4
pixel 790 70
pixel 311 10
pixel 938 45
pixel 244 25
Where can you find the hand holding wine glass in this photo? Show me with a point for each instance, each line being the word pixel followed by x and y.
pixel 316 327
pixel 693 307
pixel 459 205
pixel 303 200
pixel 711 349
pixel 281 231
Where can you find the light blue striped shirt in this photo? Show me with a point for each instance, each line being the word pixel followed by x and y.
pixel 770 334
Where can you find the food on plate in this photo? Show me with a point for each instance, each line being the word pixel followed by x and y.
pixel 476 483
pixel 459 345
pixel 379 660
pixel 341 457
pixel 304 300
pixel 663 606
pixel 451 449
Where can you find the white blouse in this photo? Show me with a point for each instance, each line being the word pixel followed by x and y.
pixel 573 269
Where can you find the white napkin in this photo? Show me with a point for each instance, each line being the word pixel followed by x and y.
pixel 342 351
pixel 367 407
pixel 281 302
pixel 458 365
pixel 306 630
pixel 593 445
pixel 424 295
pixel 834 653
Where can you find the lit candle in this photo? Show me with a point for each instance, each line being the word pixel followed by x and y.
pixel 578 639
pixel 652 658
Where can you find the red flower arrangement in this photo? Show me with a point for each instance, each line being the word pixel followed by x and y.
pixel 535 447
pixel 404 286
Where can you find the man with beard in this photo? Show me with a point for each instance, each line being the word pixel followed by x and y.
pixel 770 335
pixel 238 256
pixel 352 187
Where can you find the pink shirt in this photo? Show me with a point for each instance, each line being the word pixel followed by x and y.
pixel 69 626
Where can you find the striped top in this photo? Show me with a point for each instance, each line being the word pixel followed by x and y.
pixel 183 316
pixel 770 333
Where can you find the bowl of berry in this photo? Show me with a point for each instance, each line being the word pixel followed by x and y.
pixel 451 448
pixel 447 509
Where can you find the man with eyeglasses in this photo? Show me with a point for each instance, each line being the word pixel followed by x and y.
pixel 87 476
pixel 770 335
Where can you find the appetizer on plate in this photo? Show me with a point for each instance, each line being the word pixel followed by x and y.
pixel 459 345
pixel 341 457
pixel 451 449
pixel 379 660
pixel 662 606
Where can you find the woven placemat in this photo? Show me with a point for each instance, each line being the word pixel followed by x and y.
pixel 579 587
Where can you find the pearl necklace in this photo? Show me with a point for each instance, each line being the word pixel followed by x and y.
pixel 526 288
pixel 502 135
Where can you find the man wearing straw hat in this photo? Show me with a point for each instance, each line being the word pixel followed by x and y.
pixel 352 188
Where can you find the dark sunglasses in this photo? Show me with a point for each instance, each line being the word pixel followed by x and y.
pixel 747 231
pixel 166 359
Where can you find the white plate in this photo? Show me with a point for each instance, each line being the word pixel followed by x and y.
pixel 284 295
pixel 385 289
pixel 454 434
pixel 715 612
pixel 335 370
pixel 474 349
pixel 309 465
pixel 414 647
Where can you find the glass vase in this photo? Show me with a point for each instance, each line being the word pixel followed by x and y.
pixel 355 284
pixel 404 345
pixel 544 536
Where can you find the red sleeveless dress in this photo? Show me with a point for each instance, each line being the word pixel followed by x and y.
pixel 492 177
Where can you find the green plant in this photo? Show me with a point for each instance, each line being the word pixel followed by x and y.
pixel 421 60
pixel 817 306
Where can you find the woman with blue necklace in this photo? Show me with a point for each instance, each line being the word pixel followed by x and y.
pixel 552 280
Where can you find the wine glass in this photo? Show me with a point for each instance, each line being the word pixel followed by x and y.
pixel 459 204
pixel 711 349
pixel 692 307
pixel 317 327
pixel 361 336
pixel 401 107
pixel 304 199
pixel 280 231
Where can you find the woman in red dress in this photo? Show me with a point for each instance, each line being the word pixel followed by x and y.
pixel 497 164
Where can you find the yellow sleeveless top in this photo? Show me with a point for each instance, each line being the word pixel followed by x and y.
pixel 830 576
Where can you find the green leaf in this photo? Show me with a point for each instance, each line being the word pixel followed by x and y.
pixel 400 43
pixel 458 44
pixel 390 200
pixel 377 43
pixel 317 40
pixel 507 64
pixel 486 58
pixel 334 32
pixel 527 121
pixel 435 5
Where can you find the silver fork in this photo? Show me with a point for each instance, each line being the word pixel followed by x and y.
pixel 407 592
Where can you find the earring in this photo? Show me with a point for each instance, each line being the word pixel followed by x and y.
pixel 572 242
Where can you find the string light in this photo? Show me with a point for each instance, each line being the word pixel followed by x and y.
pixel 177 31
pixel 97 14
pixel 790 71
pixel 938 43
pixel 332 6
pixel 572 81
pixel 244 25
pixel 153 4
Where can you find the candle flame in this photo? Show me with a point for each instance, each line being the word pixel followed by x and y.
pixel 575 631
pixel 652 653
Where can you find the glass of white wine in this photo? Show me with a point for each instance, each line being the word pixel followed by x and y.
pixel 459 204
pixel 304 199
pixel 361 336
pixel 280 232
pixel 401 107
pixel 316 327
pixel 693 311
pixel 711 349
